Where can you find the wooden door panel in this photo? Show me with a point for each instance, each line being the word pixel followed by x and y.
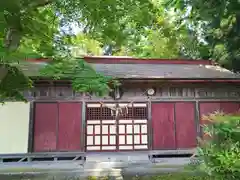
pixel 69 126
pixel 163 126
pixel 186 132
pixel 45 126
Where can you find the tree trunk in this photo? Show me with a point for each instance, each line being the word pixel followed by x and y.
pixel 3 72
pixel 12 39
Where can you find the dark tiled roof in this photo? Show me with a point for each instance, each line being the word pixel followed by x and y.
pixel 152 71
pixel 164 71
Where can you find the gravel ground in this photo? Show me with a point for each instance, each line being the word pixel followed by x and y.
pixel 78 174
pixel 72 171
pixel 119 166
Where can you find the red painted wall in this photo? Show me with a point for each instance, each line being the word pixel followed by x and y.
pixel 69 127
pixel 163 126
pixel 210 107
pixel 57 127
pixel 229 107
pixel 45 126
pixel 186 131
pixel 206 108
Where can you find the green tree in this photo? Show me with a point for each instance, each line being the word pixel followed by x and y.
pixel 82 45
pixel 35 29
pixel 161 40
pixel 218 23
pixel 166 37
pixel 169 37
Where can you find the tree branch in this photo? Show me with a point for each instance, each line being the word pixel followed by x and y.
pixel 40 3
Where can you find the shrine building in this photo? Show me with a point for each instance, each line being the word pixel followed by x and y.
pixel 158 107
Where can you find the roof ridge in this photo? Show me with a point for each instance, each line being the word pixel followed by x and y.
pixel 133 60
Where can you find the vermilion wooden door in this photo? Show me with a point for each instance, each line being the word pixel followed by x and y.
pixel 163 126
pixel 45 127
pixel 57 127
pixel 186 131
pixel 69 126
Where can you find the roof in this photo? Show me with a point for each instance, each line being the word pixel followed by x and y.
pixel 127 67
pixel 131 60
pixel 162 71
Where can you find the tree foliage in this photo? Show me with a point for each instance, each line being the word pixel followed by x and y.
pixel 83 45
pixel 165 38
pixel 168 37
pixel 36 29
pixel 218 23
pixel 161 40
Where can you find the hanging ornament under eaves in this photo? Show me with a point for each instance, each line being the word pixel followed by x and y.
pixel 117 94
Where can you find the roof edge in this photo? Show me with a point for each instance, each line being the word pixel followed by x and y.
pixel 131 60
pixel 180 80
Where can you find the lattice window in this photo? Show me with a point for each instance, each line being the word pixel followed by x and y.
pixel 106 113
pixel 97 111
pixel 134 113
pixel 127 113
pixel 94 113
pixel 140 113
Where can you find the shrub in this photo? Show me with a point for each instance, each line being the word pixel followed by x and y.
pixel 182 176
pixel 219 149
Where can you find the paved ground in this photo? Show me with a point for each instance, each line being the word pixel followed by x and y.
pixel 114 165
